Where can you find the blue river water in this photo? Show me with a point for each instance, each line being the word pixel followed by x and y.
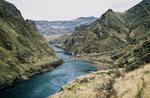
pixel 45 84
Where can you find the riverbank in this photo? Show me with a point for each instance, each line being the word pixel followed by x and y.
pixel 28 75
pixel 101 61
pixel 102 84
pixel 47 83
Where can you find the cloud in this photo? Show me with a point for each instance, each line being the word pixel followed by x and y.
pixel 123 5
pixel 69 9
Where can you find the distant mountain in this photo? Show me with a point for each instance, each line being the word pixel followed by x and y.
pixel 112 30
pixel 23 50
pixel 86 19
pixel 49 28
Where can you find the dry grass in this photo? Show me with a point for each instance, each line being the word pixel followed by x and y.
pixel 135 84
pixel 94 85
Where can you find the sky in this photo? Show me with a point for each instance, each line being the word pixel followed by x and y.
pixel 69 9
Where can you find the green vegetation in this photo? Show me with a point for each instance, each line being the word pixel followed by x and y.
pixel 23 51
pixel 112 31
pixel 118 39
pixel 131 57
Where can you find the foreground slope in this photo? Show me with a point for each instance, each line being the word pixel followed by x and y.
pixel 100 84
pixel 23 51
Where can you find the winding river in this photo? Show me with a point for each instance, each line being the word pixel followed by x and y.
pixel 47 83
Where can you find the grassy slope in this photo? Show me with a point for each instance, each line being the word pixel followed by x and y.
pixel 112 31
pixel 87 86
pixel 134 84
pixel 99 36
pixel 23 50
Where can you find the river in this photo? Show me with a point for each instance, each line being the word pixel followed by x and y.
pixel 47 83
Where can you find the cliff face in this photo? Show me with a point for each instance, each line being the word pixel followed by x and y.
pixel 112 30
pixel 23 51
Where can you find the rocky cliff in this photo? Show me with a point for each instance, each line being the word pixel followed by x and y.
pixel 23 50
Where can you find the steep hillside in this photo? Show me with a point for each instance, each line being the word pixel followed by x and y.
pixel 23 51
pixel 102 35
pixel 132 56
pixel 129 81
pixel 53 29
pixel 112 31
pixel 138 20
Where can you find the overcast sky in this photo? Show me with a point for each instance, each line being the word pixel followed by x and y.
pixel 69 9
